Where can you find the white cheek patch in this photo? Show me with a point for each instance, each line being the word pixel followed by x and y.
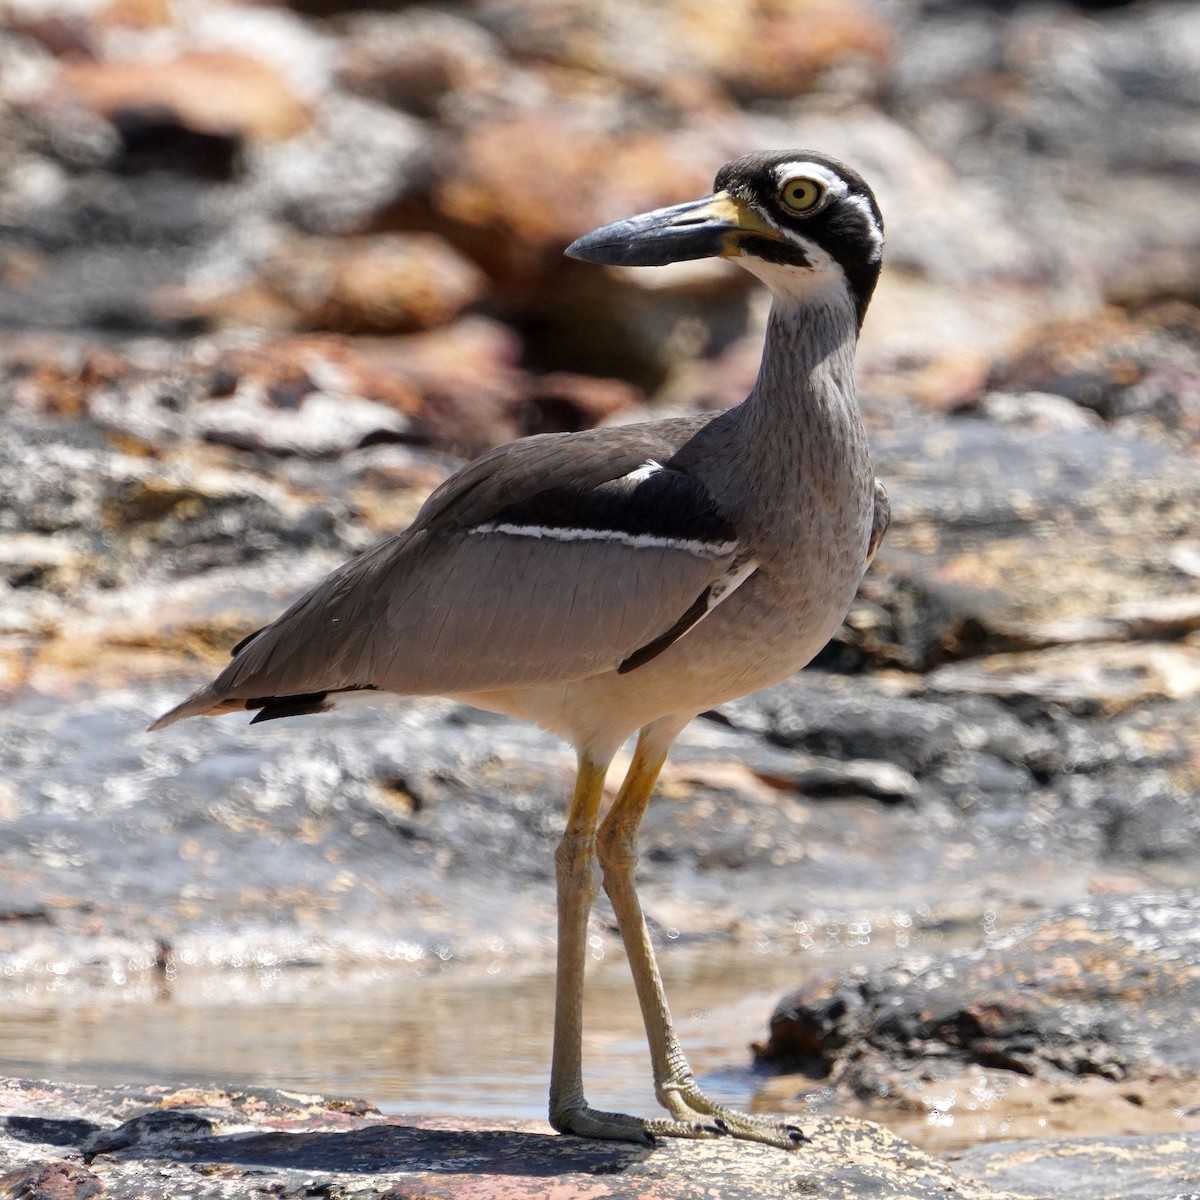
pixel 822 281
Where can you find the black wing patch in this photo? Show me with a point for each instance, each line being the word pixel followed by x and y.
pixel 662 503
pixel 271 708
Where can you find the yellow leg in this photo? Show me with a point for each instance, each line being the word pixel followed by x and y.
pixel 674 1083
pixel 578 883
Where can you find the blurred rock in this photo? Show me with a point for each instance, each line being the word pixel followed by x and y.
pixel 561 401
pixel 1102 991
pixel 357 159
pixel 383 283
pixel 1098 988
pixel 1101 677
pixel 530 184
pixel 772 50
pixel 1090 1168
pixel 1002 541
pixel 777 49
pixel 473 395
pixel 189 110
pixel 1042 412
pixel 1135 369
pixel 414 60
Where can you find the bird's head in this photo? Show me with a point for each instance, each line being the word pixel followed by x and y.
pixel 804 223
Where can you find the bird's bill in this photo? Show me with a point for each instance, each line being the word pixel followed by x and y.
pixel 708 228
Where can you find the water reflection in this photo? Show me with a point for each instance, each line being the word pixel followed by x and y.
pixel 453 1039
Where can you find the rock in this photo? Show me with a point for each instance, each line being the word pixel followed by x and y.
pixel 1042 412
pixel 414 60
pixel 1138 368
pixel 378 284
pixel 390 283
pixel 1148 1168
pixel 756 51
pixel 356 160
pixel 505 169
pixel 200 101
pixel 1001 542
pixel 561 401
pixel 1101 991
pixel 776 51
pixel 1100 677
pixel 290 1145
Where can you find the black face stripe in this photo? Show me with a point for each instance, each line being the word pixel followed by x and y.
pixel 775 251
pixel 840 228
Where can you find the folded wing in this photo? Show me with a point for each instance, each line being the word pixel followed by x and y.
pixel 521 570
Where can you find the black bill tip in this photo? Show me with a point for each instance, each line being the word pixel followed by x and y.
pixel 697 229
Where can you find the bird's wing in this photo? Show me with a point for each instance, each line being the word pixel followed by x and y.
pixel 547 560
pixel 881 518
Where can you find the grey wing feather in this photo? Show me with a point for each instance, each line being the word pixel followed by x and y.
pixel 441 609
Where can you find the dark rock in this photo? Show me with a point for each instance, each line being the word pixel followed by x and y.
pixel 319 1146
pixel 51 1181
pixel 1105 988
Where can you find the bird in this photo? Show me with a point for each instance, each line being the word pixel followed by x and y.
pixel 623 580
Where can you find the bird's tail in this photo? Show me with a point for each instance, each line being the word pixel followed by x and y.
pixel 203 702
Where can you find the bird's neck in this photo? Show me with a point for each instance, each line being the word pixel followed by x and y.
pixel 805 386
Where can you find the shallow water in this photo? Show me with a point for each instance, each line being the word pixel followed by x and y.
pixel 454 1041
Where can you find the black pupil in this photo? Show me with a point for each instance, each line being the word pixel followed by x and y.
pixel 800 193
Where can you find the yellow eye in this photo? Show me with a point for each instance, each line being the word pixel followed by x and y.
pixel 802 194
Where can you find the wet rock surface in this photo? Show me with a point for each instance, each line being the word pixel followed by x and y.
pixel 1090 1013
pixel 145 1142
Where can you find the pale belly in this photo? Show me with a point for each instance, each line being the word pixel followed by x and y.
pixel 760 635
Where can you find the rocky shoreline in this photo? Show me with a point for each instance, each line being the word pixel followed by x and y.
pixel 270 271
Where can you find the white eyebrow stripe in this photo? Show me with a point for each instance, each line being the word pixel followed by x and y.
pixel 834 184
pixel 636 541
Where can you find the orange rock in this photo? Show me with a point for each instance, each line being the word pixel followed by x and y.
pixel 775 49
pixel 207 91
pixel 289 368
pixel 382 283
pixel 544 178
pixel 561 402
pixel 465 375
pixel 42 375
pixel 136 14
pixel 756 48
pixel 392 283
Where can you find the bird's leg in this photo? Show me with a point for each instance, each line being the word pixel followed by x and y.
pixel 578 883
pixel 674 1083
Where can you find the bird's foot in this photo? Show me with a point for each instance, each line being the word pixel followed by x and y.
pixel 689 1105
pixel 584 1121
